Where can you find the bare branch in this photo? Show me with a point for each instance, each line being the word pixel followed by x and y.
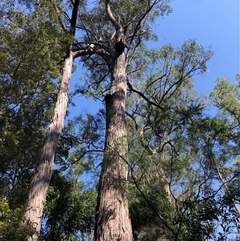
pixel 173 88
pixel 85 153
pixel 133 89
pixel 104 47
pixel 134 120
pixel 225 185
pixel 83 52
pixel 67 16
pixel 111 17
pixel 138 26
pixel 134 50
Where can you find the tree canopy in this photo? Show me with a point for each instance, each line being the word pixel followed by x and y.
pixel 151 164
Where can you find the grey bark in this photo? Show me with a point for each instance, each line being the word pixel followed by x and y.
pixel 39 185
pixel 112 218
pixel 38 188
pixel 112 215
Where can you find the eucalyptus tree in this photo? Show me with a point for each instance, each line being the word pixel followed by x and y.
pixel 27 92
pixel 225 97
pixel 27 96
pixel 121 61
pixel 39 185
pixel 36 45
pixel 118 29
pixel 160 153
pixel 190 161
pixel 107 43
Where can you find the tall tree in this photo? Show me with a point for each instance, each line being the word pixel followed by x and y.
pixel 39 185
pixel 114 37
pixel 26 71
pixel 122 26
pixel 198 161
pixel 113 221
pixel 160 153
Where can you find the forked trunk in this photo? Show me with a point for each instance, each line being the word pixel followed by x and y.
pixel 112 218
pixel 39 185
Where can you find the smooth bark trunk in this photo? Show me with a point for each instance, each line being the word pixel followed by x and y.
pixel 39 185
pixel 112 217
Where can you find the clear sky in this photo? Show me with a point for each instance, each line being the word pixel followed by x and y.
pixel 212 23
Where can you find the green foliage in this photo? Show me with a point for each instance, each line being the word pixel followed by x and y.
pixel 27 94
pixel 150 209
pixel 135 17
pixel 225 97
pixel 129 10
pixel 9 223
pixel 69 209
pixel 31 52
pixel 176 152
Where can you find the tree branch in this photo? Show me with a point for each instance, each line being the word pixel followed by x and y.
pixel 59 17
pixel 226 188
pixel 165 223
pixel 83 52
pixel 133 89
pixel 138 26
pixel 111 17
pixel 74 17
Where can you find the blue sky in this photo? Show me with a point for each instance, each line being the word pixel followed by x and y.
pixel 212 23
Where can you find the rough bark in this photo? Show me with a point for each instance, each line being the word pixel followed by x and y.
pixel 39 185
pixel 112 217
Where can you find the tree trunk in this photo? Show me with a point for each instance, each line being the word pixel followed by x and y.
pixel 112 217
pixel 39 185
